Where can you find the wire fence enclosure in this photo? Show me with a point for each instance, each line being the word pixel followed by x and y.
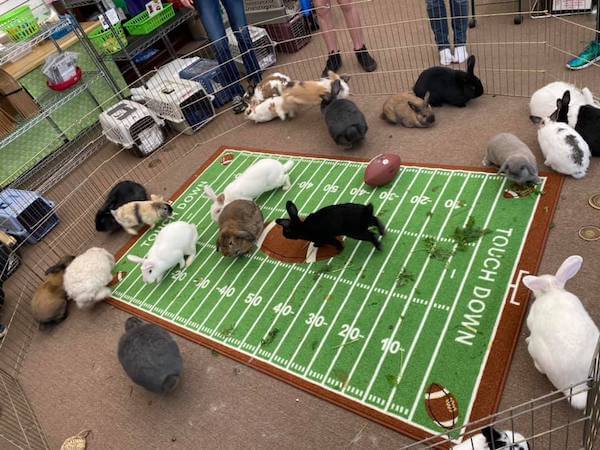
pixel 512 60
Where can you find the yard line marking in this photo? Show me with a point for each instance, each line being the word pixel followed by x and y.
pixel 414 288
pixel 282 283
pixel 454 303
pixel 391 252
pixel 409 255
pixel 453 273
pixel 515 286
pixel 335 284
pixel 431 302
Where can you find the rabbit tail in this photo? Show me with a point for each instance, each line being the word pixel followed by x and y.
pixel 578 401
pixel 288 166
pixel 170 383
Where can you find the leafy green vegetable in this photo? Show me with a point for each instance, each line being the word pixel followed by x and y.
pixel 270 337
pixel 470 233
pixel 404 278
pixel 437 250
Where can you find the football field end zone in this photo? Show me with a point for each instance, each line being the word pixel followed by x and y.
pixel 491 384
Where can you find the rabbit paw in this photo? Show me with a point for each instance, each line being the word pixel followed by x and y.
pixel 131 231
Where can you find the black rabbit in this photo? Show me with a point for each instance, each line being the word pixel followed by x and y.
pixel 588 122
pixel 121 193
pixel 346 123
pixel 454 87
pixel 150 356
pixel 322 227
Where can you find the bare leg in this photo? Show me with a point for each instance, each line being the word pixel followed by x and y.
pixel 353 23
pixel 325 17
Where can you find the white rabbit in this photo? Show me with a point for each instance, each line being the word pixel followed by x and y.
pixel 563 147
pixel 543 101
pixel 171 246
pixel 563 337
pixel 218 202
pixel 492 439
pixel 267 110
pixel 86 278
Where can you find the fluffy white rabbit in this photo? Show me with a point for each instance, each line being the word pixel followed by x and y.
pixel 564 149
pixel 543 101
pixel 267 110
pixel 563 337
pixel 174 244
pixel 86 278
pixel 263 176
pixel 492 439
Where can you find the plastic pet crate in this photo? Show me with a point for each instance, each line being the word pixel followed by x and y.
pixel 134 126
pixel 263 12
pixel 290 36
pixel 143 23
pixel 9 263
pixel 264 48
pixel 208 73
pixel 26 215
pixel 181 100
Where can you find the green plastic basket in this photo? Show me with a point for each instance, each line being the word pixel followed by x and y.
pixel 143 24
pixel 106 41
pixel 19 23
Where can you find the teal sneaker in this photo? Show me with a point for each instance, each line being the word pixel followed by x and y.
pixel 587 57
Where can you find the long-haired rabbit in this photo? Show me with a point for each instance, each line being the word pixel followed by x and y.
pixel 513 158
pixel 346 123
pixel 492 439
pixel 408 110
pixel 87 277
pixel 454 87
pixel 543 101
pixel 563 147
pixel 311 92
pixel 262 176
pixel 174 244
pixel 563 336
pixel 270 86
pixel 150 356
pixel 323 226
pixel 241 224
pixel 49 301
pixel 133 215
pixel 121 193
pixel 266 110
pixel 588 122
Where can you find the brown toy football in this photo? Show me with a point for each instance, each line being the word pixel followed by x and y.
pixel 441 406
pixel 382 169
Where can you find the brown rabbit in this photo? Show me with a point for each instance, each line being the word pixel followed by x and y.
pixel 311 92
pixel 49 302
pixel 134 215
pixel 408 110
pixel 241 224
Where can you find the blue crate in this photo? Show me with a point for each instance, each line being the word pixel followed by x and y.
pixel 26 215
pixel 208 73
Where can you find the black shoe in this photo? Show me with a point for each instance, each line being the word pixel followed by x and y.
pixel 334 62
pixel 365 60
pixel 239 105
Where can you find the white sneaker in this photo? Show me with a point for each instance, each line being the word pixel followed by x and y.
pixel 446 57
pixel 460 55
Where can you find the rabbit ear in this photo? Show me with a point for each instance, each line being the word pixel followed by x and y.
pixel 535 283
pixel 471 64
pixel 209 193
pixel 242 234
pixel 345 78
pixel 535 119
pixel 135 259
pixel 554 115
pixel 503 167
pixel 426 98
pixel 568 269
pixel 292 210
pixel 566 98
pixel 336 87
pixel 285 223
pixel 413 106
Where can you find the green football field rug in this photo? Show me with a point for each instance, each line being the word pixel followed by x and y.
pixel 418 336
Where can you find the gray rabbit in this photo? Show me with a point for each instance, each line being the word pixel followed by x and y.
pixel 150 356
pixel 513 158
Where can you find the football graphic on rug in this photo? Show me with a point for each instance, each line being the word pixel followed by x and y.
pixel 441 406
pixel 382 169
pixel 275 245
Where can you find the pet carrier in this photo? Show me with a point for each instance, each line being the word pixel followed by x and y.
pixel 133 126
pixel 289 36
pixel 262 44
pixel 262 12
pixel 181 101
pixel 26 215
pixel 9 263
pixel 208 73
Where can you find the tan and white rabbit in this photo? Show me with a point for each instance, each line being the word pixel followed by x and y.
pixel 311 92
pixel 241 224
pixel 408 110
pixel 563 336
pixel 270 86
pixel 133 215
pixel 49 301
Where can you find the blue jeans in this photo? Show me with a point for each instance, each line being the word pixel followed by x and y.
pixel 209 12
pixel 459 9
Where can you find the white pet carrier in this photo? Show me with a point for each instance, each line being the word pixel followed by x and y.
pixel 133 126
pixel 263 45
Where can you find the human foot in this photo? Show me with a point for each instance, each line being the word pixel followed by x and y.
pixel 334 62
pixel 460 55
pixel 446 57
pixel 365 60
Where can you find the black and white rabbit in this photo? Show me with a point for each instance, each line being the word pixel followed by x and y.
pixel 150 356
pixel 322 227
pixel 453 87
pixel 121 193
pixel 588 122
pixel 346 123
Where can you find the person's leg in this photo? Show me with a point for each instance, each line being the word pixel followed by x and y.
pixel 325 17
pixel 460 24
pixel 590 54
pixel 239 25
pixel 210 15
pixel 352 19
pixel 436 10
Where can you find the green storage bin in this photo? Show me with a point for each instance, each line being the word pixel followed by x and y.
pixel 106 41
pixel 19 23
pixel 143 24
